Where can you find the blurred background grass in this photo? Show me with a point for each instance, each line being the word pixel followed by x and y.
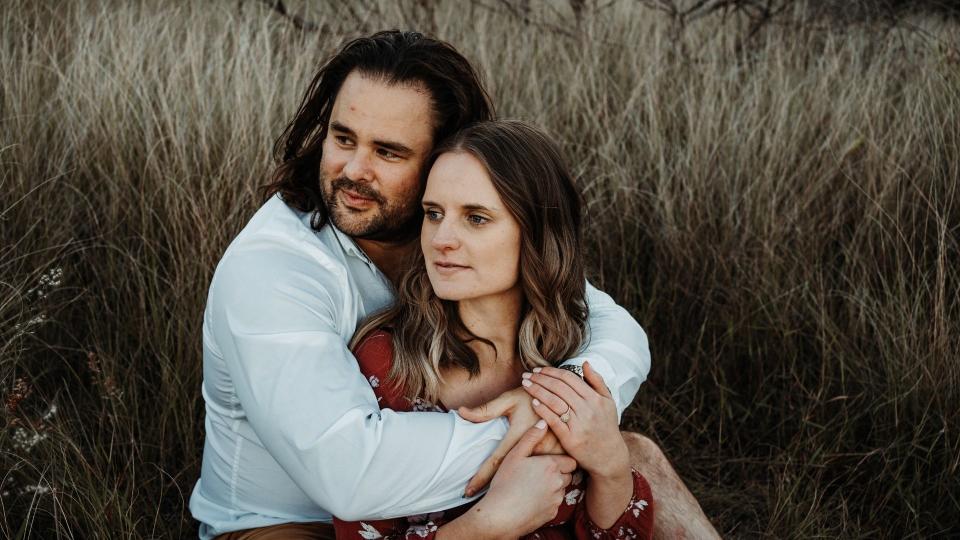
pixel 772 191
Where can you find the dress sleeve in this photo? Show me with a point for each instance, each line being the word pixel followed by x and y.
pixel 617 348
pixel 635 523
pixel 375 358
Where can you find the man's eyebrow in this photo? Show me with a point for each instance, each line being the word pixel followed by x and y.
pixel 337 126
pixel 393 146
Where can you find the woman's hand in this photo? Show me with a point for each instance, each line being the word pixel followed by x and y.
pixel 526 491
pixel 590 434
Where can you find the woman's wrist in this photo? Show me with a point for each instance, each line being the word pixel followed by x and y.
pixel 608 497
pixel 612 470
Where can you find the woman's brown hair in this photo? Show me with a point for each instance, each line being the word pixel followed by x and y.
pixel 528 172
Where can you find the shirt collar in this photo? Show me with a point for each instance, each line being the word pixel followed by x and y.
pixel 349 246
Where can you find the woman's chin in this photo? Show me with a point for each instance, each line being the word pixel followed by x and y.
pixel 448 293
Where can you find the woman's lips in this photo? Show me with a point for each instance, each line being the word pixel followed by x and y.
pixel 448 268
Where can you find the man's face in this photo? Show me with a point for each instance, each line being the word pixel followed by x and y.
pixel 377 141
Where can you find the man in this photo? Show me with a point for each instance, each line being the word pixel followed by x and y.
pixel 293 431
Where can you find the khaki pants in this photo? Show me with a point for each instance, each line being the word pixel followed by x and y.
pixel 293 531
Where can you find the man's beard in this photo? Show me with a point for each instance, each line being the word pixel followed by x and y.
pixel 396 222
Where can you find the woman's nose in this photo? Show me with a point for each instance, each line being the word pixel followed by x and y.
pixel 444 237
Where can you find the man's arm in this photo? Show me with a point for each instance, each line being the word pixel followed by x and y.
pixel 275 318
pixel 617 348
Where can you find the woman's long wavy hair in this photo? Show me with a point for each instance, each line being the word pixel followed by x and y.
pixel 396 57
pixel 529 174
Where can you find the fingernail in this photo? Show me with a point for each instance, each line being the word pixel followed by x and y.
pixel 526 382
pixel 541 424
pixel 536 402
pixel 537 369
pixel 466 494
pixel 526 375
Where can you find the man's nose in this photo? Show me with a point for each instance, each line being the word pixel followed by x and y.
pixel 359 167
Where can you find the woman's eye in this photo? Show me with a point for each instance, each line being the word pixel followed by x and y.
pixel 475 219
pixel 342 140
pixel 432 215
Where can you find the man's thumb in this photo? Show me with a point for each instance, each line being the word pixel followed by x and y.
pixel 526 444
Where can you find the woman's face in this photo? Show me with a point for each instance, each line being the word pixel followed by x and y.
pixel 470 241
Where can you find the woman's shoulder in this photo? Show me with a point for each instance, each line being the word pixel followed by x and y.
pixel 374 353
pixel 378 343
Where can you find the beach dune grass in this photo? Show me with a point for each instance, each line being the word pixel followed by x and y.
pixel 779 211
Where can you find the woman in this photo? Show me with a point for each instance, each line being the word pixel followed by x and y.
pixel 495 297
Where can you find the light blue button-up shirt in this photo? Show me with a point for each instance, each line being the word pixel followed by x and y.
pixel 293 430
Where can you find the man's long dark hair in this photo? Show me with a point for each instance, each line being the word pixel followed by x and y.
pixel 458 99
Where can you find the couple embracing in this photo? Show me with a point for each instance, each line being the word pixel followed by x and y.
pixel 401 343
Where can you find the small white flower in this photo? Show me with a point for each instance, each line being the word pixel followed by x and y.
pixel 368 532
pixel 52 411
pixel 39 489
pixel 639 506
pixel 573 497
pixel 374 381
pixel 420 405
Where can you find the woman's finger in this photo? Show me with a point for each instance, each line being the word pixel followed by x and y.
pixel 595 381
pixel 557 426
pixel 560 388
pixel 546 397
pixel 573 380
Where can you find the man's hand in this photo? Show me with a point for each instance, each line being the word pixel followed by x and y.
pixel 517 406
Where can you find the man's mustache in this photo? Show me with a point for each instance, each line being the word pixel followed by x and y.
pixel 360 189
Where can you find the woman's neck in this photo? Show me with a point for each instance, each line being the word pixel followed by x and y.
pixel 497 319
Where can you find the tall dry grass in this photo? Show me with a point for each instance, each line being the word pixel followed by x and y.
pixel 781 215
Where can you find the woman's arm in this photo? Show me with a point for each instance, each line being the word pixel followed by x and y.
pixel 583 415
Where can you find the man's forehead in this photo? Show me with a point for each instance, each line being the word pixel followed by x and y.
pixel 370 105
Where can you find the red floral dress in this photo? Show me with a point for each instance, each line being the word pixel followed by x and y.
pixel 375 356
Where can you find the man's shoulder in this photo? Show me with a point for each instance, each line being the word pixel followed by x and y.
pixel 278 249
pixel 277 235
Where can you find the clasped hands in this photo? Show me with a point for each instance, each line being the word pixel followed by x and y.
pixel 587 436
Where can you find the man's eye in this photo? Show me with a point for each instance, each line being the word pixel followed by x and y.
pixel 433 215
pixel 475 219
pixel 386 154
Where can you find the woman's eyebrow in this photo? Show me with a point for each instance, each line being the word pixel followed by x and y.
pixel 479 207
pixel 468 207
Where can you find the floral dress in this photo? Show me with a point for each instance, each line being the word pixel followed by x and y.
pixel 375 356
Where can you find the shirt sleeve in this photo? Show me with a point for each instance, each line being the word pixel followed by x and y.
pixel 274 315
pixel 616 348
